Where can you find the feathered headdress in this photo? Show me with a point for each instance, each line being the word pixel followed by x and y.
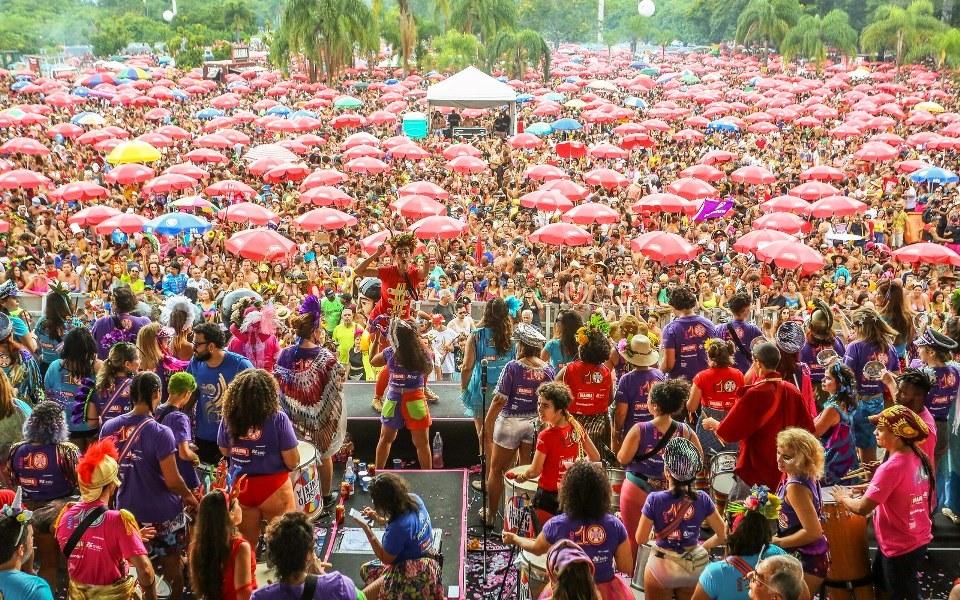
pixel 97 468
pixel 405 238
pixel 311 306
pixel 177 303
pixel 227 480
pixel 514 305
pixel 239 308
pixel 760 500
pixel 596 324
pixel 266 317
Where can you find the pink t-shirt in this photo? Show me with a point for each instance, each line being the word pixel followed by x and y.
pixel 901 490
pixel 99 557
pixel 928 445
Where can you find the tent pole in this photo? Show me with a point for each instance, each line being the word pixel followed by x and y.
pixel 513 118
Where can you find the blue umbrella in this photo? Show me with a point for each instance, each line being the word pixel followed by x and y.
pixel 566 125
pixel 205 114
pixel 555 96
pixel 635 102
pixel 20 84
pixel 279 109
pixel 502 79
pixel 179 94
pixel 539 129
pixel 81 91
pixel 524 98
pixel 176 223
pixel 123 80
pixel 638 64
pixel 571 79
pixel 934 175
pixel 24 76
pixel 87 118
pixel 724 126
pixel 302 113
pixel 395 81
pixel 235 84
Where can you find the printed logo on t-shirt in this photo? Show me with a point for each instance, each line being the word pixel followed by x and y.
pixel 252 435
pixel 36 461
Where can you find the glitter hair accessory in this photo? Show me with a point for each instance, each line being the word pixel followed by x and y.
pixel 15 509
pixel 514 305
pixel 760 500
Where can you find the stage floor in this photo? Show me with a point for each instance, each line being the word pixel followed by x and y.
pixel 358 394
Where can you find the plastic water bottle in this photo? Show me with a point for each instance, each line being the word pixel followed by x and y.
pixel 349 476
pixel 437 451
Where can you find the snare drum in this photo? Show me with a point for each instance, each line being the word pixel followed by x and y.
pixel 616 477
pixel 722 478
pixel 533 575
pixel 848 575
pixel 517 497
pixel 306 481
pixel 161 587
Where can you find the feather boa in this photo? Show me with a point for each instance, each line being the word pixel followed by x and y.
pixel 310 393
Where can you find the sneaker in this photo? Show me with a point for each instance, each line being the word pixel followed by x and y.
pixel 377 404
pixel 950 515
pixel 475 484
pixel 432 397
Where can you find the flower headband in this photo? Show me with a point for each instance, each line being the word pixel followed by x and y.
pixel 16 511
pixel 760 500
pixel 596 324
pixel 711 342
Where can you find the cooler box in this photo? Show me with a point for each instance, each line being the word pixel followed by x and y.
pixel 415 125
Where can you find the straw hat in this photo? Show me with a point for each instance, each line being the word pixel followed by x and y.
pixel 640 352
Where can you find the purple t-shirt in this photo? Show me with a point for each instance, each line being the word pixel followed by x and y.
pixel 179 424
pixel 808 355
pixel 114 401
pixel 330 586
pixel 860 353
pixel 662 507
pixel 258 452
pixel 38 471
pixel 944 392
pixel 519 384
pixel 143 491
pixel 685 336
pixel 599 539
pixel 746 333
pixel 789 522
pixel 401 380
pixel 111 329
pixel 633 389
pixel 649 437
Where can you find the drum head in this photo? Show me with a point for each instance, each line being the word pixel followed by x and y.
pixel 826 357
pixel 535 563
pixel 308 452
pixel 873 370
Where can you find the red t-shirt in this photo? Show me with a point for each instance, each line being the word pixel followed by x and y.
pixel 557 445
pixel 392 279
pixel 719 387
pixel 228 591
pixel 591 386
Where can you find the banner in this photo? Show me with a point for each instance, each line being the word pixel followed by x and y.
pixel 713 208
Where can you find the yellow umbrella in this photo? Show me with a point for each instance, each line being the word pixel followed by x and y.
pixel 930 107
pixel 575 103
pixel 133 151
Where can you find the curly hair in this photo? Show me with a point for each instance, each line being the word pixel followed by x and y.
pixel 124 300
pixel 79 353
pixel 585 491
pixel 597 349
pixel 390 495
pixel 807 451
pixel 210 549
pixel 116 364
pixel 628 326
pixel 683 298
pixel 569 322
pixel 720 352
pixel 289 539
pixel 558 393
pixel 250 399
pixel 669 396
pixel 496 318
pixel 739 302
pixel 918 378
pixel 46 424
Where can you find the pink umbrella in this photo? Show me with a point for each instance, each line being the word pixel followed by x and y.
pixel 410 151
pixel 790 204
pixel 791 255
pixel 561 234
pixel 168 183
pixel 823 173
pixel 703 173
pixel 752 240
pixel 23 179
pixel 366 164
pixel 80 190
pixel 205 155
pixel 549 201
pixel 692 189
pixel 24 145
pixel 590 213
pixel 688 135
pixel 525 141
pixel 438 227
pixel 717 156
pixel 370 243
pixel 418 207
pixel 876 152
pixel 606 178
pixel 927 252
pixel 125 222
pixel 213 140
pixel 192 202
pixel 260 244
pixel 664 202
pixel 230 188
pixel 325 195
pixel 128 174
pixel 188 169
pixel 571 190
pixel 324 218
pixel 665 248
pixel 92 215
pixel 753 175
pixel 286 172
pixel 780 221
pixel 322 177
pixel 467 164
pixel 610 151
pixel 836 206
pixel 360 139
pixel 911 166
pixel 382 117
pixel 248 212
pixel 635 140
pixel 67 130
pixel 262 165
pixel 545 173
pixel 362 150
pixel 813 190
pixel 455 150
pixel 424 188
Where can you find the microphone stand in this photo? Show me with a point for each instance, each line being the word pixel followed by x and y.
pixel 483 465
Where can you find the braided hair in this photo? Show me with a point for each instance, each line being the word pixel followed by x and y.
pixel 250 399
pixel 120 354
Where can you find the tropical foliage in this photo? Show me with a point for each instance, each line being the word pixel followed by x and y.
pixel 517 50
pixel 902 31
pixel 327 33
pixel 452 51
pixel 766 21
pixel 814 36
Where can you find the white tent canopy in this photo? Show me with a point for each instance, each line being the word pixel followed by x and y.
pixel 472 88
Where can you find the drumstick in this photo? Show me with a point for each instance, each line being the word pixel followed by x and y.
pixel 857 473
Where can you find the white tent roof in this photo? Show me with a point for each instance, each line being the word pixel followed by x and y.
pixel 470 88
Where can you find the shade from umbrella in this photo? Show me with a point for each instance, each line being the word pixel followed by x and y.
pixel 325 195
pixel 129 174
pixel 791 254
pixel 836 206
pixel 591 213
pixel 692 188
pixel 418 207
pixel 23 179
pixel 790 204
pixel 547 201
pixel 665 248
pixel 823 173
pixel 927 252
pixel 260 244
pixel 814 190
pixel 780 221
pixel 133 151
pixel 561 234
pixel 125 222
pixel 80 190
pixel 165 184
pixel 758 238
pixel 24 145
pixel 176 223
pixel 753 175
pixel 438 227
pixel 248 212
pixel 424 188
pixel 324 218
pixel 605 178
pixel 230 188
pixel 366 164
pixel 92 215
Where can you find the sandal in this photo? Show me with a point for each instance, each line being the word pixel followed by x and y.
pixel 377 404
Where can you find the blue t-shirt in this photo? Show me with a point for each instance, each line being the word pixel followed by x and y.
pixel 62 387
pixel 722 581
pixel 212 385
pixel 410 535
pixel 557 357
pixel 23 586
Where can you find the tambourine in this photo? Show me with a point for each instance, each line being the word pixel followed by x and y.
pixel 920 322
pixel 827 357
pixel 873 370
pixel 757 341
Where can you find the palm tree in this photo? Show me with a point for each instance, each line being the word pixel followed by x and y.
pixel 483 18
pixel 326 33
pixel 518 50
pixel 948 48
pixel 408 33
pixel 452 50
pixel 901 29
pixel 238 17
pixel 813 36
pixel 767 22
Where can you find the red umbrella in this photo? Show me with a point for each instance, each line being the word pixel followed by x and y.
pixel 790 204
pixel 791 255
pixel 836 206
pixel 325 218
pixel 410 151
pixel 248 212
pixel 80 190
pixel 637 140
pixel 688 135
pixel 362 150
pixel 213 140
pixel 561 234
pixel 703 173
pixel 467 164
pixel 665 248
pixel 717 156
pixel 692 189
pixel 92 215
pixel 813 190
pixel 424 188
pixel 359 139
pixel 322 177
pixel 571 190
pixel 590 213
pixel 455 150
pixel 525 141
pixel 604 150
pixel 438 227
pixel 370 243
pixel 417 207
pixel 571 149
pixel 753 175
pixel 927 252
pixel 230 188
pixel 128 174
pixel 67 130
pixel 260 244
pixel 664 202
pixel 911 166
pixel 382 117
pixel 125 222
pixel 286 172
pixel 23 179
pixel 205 155
pixel 366 164
pixel 606 178
pixel 780 221
pixel 24 145
pixel 549 200
pixel 823 173
pixel 545 173
pixel 752 240
pixel 262 165
pixel 325 195
pixel 876 152
pixel 168 183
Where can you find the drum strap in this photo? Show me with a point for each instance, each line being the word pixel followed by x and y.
pixel 736 340
pixel 740 565
pixel 85 524
pixel 309 587
pixel 660 444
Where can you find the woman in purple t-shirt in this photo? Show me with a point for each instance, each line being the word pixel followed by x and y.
pixel 684 353
pixel 111 395
pixel 259 440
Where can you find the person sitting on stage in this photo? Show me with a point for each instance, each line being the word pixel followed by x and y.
pixel 684 354
pixel 290 549
pixel 311 381
pixel 834 425
pixel 260 442
pixel 778 578
pixel 563 439
pixel 99 544
pixel 571 572
pixel 800 459
pixel 585 499
pixel 16 547
pixel 512 414
pixel 901 496
pixel 674 517
pixel 642 451
pixel 748 541
pixel 406 568
pixel 222 563
pixel 713 393
pixel 762 410
pixel 409 365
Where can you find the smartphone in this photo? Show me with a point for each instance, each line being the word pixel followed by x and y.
pixel 356 514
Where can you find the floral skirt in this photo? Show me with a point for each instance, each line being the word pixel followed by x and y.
pixel 410 580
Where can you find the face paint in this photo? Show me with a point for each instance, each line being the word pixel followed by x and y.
pixel 5 360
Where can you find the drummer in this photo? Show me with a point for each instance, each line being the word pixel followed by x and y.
pixel 819 337
pixel 935 350
pixel 740 332
pixel 683 353
pixel 713 393
pixel 633 390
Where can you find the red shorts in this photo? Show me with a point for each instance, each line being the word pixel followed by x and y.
pixel 260 487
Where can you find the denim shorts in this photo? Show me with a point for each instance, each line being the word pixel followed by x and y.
pixel 863 429
pixel 511 431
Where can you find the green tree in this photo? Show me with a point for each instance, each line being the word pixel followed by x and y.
pixel 569 21
pixel 766 22
pixel 408 33
pixel 483 18
pixel 663 38
pixel 452 50
pixel 714 20
pixel 519 50
pixel 812 37
pixel 947 45
pixel 901 30
pixel 327 33
pixel 238 18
